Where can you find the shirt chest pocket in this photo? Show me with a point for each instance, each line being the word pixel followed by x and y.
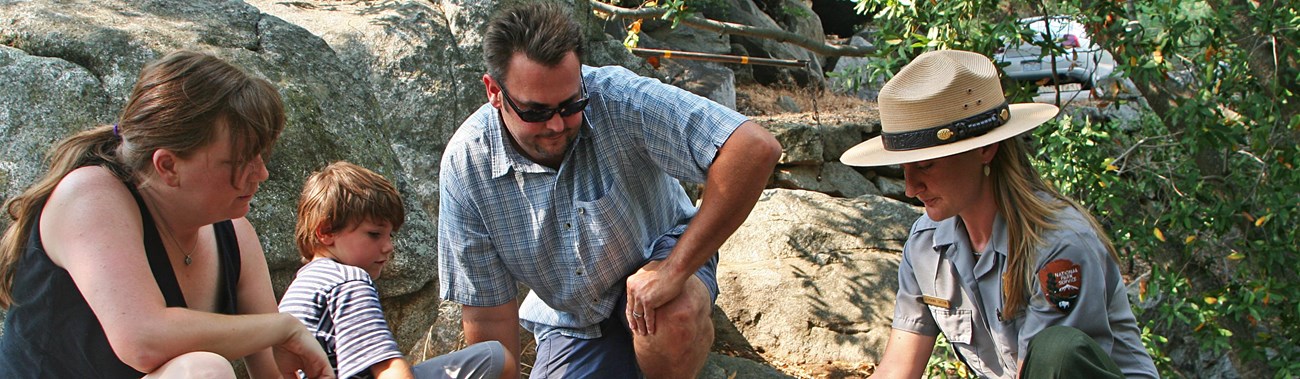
pixel 945 298
pixel 605 223
pixel 956 324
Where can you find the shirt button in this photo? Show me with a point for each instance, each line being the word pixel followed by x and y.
pixel 582 211
pixel 579 272
pixel 568 225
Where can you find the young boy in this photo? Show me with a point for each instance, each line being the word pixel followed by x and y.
pixel 346 219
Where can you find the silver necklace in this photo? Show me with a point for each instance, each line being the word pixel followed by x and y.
pixel 172 237
pixel 174 242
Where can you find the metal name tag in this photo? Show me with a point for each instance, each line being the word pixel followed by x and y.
pixel 941 303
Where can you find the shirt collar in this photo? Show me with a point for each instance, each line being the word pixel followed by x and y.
pixel 952 228
pixel 504 156
pixel 1000 236
pixel 497 141
pixel 945 234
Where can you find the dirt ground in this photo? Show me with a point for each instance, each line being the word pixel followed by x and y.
pixel 759 100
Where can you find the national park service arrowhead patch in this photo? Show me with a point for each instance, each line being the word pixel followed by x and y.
pixel 1061 280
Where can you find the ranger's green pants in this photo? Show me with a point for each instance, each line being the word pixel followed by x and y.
pixel 1064 352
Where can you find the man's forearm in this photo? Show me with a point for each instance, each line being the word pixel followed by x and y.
pixel 736 178
pixel 499 323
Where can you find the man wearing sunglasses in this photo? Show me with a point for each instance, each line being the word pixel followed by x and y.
pixel 567 181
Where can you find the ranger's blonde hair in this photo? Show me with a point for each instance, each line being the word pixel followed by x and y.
pixel 1016 184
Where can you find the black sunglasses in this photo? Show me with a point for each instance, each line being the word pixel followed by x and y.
pixel 543 115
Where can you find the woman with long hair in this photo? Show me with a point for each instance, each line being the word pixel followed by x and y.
pixel 132 256
pixel 1020 279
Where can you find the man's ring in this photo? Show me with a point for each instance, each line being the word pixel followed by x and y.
pixel 637 315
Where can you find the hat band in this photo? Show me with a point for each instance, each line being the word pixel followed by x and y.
pixel 972 126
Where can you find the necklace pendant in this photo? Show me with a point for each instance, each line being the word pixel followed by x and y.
pixel 188 260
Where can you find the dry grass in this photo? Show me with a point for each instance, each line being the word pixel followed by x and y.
pixel 760 100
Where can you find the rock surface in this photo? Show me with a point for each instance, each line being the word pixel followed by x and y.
pixel 96 53
pixel 35 111
pixel 809 277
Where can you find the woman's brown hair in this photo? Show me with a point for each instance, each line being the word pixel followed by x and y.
pixel 1016 184
pixel 179 103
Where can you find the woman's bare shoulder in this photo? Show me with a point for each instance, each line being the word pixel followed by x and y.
pixel 250 246
pixel 89 207
pixel 91 178
pixel 89 189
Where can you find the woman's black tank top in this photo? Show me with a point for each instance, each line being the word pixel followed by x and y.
pixel 50 331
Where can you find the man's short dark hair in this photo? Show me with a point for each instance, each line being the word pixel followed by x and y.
pixel 544 32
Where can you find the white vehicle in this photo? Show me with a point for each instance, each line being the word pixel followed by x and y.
pixel 1081 61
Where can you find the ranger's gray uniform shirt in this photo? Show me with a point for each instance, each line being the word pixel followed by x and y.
pixel 971 286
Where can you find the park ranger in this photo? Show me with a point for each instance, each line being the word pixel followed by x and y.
pixel 1020 279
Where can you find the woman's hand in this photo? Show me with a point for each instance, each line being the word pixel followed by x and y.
pixel 301 352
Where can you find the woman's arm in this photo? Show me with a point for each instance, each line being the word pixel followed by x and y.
pixel 905 355
pixel 254 293
pixel 91 227
pixel 1074 284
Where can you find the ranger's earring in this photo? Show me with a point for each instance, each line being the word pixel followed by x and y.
pixel 986 169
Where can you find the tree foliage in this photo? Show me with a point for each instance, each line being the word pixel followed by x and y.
pixel 1201 194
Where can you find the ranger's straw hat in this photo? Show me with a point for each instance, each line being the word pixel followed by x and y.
pixel 944 103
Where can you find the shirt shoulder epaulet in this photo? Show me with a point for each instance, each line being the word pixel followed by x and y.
pixel 1069 225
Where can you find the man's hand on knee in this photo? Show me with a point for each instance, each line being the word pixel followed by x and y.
pixel 647 290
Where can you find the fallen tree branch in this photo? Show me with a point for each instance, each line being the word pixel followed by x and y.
pixel 778 35
pixel 723 58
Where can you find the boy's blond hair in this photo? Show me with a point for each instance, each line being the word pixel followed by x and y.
pixel 343 195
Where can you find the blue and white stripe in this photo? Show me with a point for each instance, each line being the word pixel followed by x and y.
pixel 339 305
